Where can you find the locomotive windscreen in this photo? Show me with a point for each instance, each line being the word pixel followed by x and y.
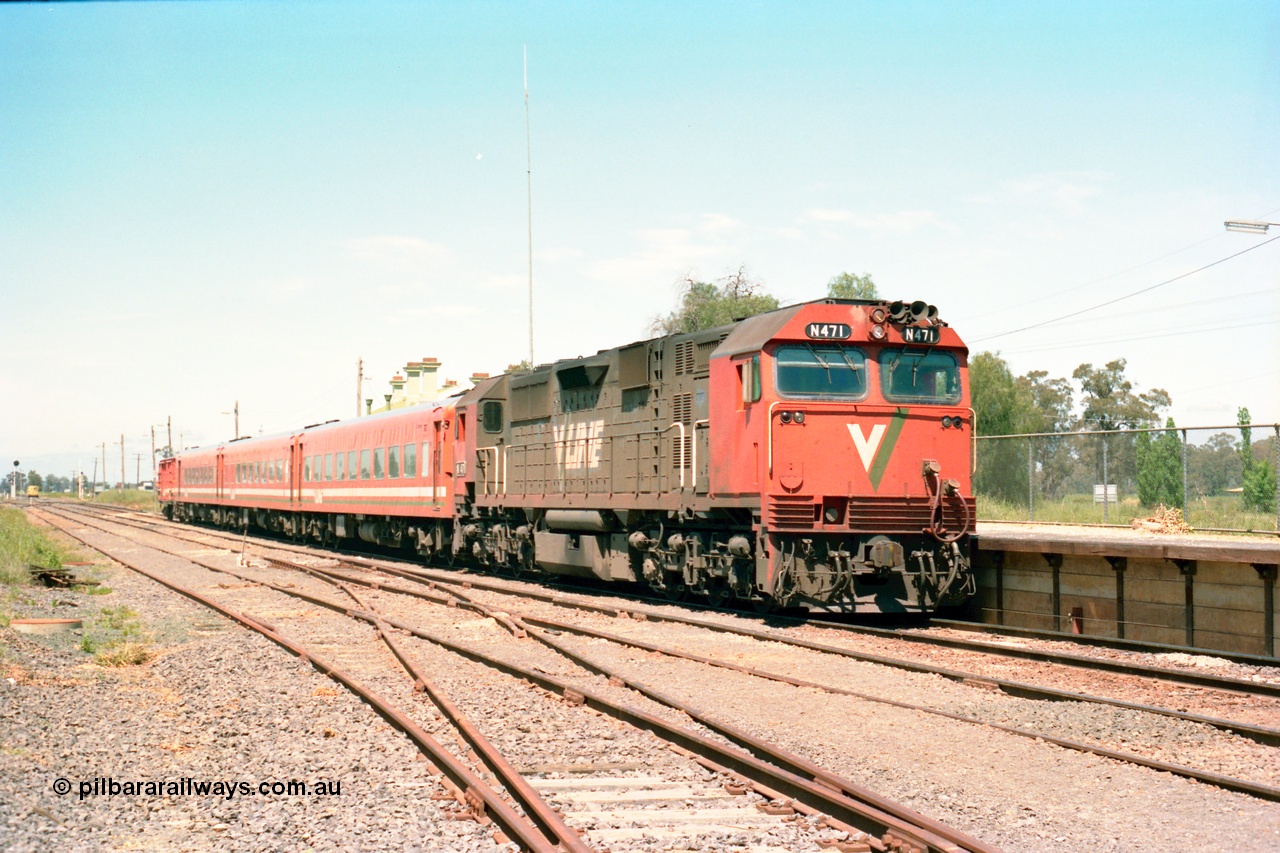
pixel 919 376
pixel 821 371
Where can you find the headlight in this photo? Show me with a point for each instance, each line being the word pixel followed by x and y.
pixel 877 332
pixel 946 422
pixel 799 417
pixel 785 417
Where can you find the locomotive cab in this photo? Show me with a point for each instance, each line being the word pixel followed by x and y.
pixel 851 422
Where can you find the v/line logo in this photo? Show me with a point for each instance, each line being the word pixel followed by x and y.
pixel 875 448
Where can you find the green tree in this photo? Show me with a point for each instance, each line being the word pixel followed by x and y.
pixel 1159 467
pixel 1110 402
pixel 521 366
pixel 850 286
pixel 1244 419
pixel 998 410
pixel 1214 466
pixel 34 479
pixel 1260 487
pixel 1259 477
pixel 705 304
pixel 1047 402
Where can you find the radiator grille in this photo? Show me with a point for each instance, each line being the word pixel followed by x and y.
pixel 791 512
pixel 684 358
pixel 900 515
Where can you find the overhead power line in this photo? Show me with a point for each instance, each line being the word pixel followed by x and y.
pixel 1127 295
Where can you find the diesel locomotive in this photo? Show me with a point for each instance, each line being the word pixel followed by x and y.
pixel 818 456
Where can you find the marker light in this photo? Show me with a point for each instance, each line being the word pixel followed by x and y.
pixel 785 417
pixel 877 333
pixel 799 417
pixel 878 315
pixel 946 422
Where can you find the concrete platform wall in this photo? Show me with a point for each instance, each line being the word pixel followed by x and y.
pixel 1213 605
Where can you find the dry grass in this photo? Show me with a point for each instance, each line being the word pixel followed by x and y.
pixel 1219 511
pixel 125 653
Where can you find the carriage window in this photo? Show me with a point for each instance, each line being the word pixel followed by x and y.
pixel 427 465
pixel 919 376
pixel 411 460
pixel 306 468
pixel 821 370
pixel 339 459
pixel 364 464
pixel 393 462
pixel 328 466
pixel 352 468
pixel 378 455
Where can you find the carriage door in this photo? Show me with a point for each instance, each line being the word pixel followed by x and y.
pixel 295 473
pixel 219 486
pixel 435 462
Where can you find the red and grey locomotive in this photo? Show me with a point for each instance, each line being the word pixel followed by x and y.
pixel 817 456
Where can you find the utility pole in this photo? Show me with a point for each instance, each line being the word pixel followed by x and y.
pixel 94 490
pixel 137 470
pixel 122 462
pixel 528 175
pixel 153 453
pixel 359 383
pixel 169 424
pixel 104 467
pixel 237 410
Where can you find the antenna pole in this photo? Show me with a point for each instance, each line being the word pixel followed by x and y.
pixel 528 151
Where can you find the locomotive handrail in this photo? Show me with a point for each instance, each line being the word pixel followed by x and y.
pixel 480 450
pixel 769 429
pixel 973 442
pixel 694 487
pixel 663 432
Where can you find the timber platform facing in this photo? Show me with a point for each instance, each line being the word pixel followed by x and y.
pixel 1203 591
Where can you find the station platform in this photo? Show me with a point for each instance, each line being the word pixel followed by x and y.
pixel 1207 591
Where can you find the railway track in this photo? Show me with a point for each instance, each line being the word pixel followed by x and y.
pixel 1073 659
pixel 1165 686
pixel 463 590
pixel 781 781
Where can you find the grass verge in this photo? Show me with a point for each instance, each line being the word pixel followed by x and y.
pixel 21 543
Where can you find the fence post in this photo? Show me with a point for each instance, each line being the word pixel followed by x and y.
pixel 1275 465
pixel 1106 498
pixel 1184 477
pixel 1031 480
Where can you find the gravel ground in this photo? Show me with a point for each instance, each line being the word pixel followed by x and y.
pixel 219 703
pixel 1148 735
pixel 549 738
pixel 1018 793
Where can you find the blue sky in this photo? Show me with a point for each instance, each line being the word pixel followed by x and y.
pixel 205 202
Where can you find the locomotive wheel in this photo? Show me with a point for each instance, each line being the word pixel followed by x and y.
pixel 763 604
pixel 674 591
pixel 719 594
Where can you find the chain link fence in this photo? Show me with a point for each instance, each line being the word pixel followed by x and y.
pixel 1113 477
